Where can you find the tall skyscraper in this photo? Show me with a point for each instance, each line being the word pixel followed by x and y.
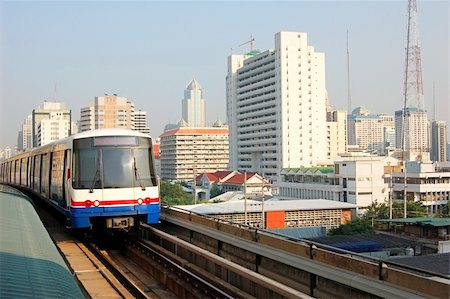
pixel 276 107
pixel 49 110
pixel 108 112
pixel 194 105
pixel 438 141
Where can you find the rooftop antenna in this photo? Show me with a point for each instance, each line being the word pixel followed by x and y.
pixel 434 104
pixel 54 91
pixel 349 97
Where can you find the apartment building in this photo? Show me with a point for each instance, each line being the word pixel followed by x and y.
pixel 276 107
pixel 189 151
pixel 49 110
pixel 108 112
pixel 438 141
pixel 366 130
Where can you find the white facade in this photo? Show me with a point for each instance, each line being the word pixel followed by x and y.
pixel 194 105
pixel 25 140
pixel 52 129
pixel 366 130
pixel 411 134
pixel 140 122
pixel 357 180
pixel 54 110
pixel 276 107
pixel 438 141
pixel 428 183
pixel 336 134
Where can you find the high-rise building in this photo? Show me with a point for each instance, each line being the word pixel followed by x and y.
pixel 438 141
pixel 411 133
pixel 108 112
pixel 24 140
pixel 49 110
pixel 194 105
pixel 365 130
pixel 140 122
pixel 52 129
pixel 336 134
pixel 276 107
pixel 189 151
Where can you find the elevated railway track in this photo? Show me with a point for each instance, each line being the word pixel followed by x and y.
pixel 309 268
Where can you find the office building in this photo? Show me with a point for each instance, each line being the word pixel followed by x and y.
pixel 276 107
pixel 438 141
pixel 365 130
pixel 188 151
pixel 194 105
pixel 108 112
pixel 49 110
pixel 411 133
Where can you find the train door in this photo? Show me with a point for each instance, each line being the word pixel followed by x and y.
pixel 67 186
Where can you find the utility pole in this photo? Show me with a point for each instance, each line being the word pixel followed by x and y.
pixel 349 97
pixel 245 197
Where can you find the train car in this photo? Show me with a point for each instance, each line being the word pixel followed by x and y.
pixel 99 178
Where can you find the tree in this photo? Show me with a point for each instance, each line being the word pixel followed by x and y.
pixel 355 227
pixel 173 194
pixel 215 191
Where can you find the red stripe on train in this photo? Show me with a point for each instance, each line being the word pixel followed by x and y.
pixel 102 203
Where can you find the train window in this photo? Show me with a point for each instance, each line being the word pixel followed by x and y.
pixel 86 168
pixel 144 172
pixel 117 168
pixel 57 177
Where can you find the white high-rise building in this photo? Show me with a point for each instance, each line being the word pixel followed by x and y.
pixel 336 134
pixel 52 129
pixel 276 107
pixel 194 105
pixel 49 110
pixel 365 130
pixel 140 122
pixel 25 139
pixel 411 133
pixel 438 141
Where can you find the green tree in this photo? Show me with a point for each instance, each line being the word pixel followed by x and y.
pixel 173 194
pixel 355 227
pixel 413 209
pixel 215 191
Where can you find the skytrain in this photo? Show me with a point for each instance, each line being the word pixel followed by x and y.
pixel 99 178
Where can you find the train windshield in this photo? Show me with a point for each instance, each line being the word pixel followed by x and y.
pixel 97 165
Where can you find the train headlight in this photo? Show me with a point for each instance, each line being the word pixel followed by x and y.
pixel 96 203
pixel 140 201
pixel 88 203
pixel 147 200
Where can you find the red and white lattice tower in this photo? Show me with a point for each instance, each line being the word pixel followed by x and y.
pixel 414 122
pixel 413 87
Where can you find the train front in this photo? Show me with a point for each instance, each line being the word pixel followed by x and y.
pixel 114 183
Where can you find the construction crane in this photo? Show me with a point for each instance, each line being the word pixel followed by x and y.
pixel 251 41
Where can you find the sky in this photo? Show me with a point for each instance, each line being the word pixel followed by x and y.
pixel 148 51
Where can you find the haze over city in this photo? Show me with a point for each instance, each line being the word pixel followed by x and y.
pixel 149 51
